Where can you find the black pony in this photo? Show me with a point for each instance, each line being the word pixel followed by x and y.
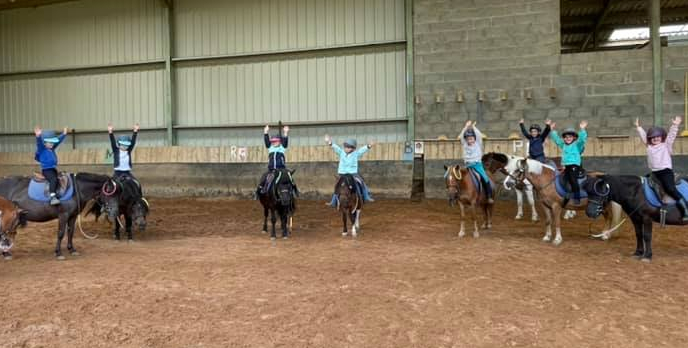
pixel 279 198
pixel 123 196
pixel 86 187
pixel 628 191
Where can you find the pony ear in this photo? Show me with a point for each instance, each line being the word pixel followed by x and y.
pixel 23 217
pixel 445 167
pixel 292 171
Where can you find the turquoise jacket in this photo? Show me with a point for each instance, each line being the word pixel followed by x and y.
pixel 348 162
pixel 571 154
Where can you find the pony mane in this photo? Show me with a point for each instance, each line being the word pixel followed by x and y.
pixel 91 177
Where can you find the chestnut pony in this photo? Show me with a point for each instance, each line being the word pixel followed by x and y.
pixel 462 190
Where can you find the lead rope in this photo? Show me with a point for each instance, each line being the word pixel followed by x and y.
pixel 78 212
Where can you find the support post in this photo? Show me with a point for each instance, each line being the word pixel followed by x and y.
pixel 168 79
pixel 657 80
pixel 410 107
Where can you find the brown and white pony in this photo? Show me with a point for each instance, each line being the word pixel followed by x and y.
pixel 542 177
pixel 349 203
pixel 462 190
pixel 11 217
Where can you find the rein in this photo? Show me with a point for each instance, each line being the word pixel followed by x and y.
pixel 114 189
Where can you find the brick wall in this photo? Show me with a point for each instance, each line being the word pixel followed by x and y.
pixel 513 46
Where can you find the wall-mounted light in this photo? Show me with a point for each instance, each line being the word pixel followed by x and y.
pixel 481 95
pixel 528 94
pixel 503 95
pixel 675 87
pixel 459 96
pixel 438 98
pixel 417 100
pixel 553 93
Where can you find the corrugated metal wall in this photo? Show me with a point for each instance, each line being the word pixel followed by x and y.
pixel 236 65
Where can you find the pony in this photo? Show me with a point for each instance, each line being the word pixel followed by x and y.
pixel 629 192
pixel 86 187
pixel 462 189
pixel 495 162
pixel 543 177
pixel 279 198
pixel 11 217
pixel 123 196
pixel 349 203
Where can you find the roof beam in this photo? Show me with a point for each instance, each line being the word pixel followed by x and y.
pixel 598 23
pixel 8 5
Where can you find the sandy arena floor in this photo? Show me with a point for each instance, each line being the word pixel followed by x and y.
pixel 203 275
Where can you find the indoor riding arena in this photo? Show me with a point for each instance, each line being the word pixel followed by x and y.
pixel 184 125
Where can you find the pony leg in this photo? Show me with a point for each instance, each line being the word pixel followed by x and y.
pixel 265 220
pixel 519 204
pixel 640 245
pixel 354 228
pixel 62 226
pixel 531 201
pixel 548 224
pixel 358 219
pixel 647 240
pixel 474 212
pixel 273 219
pixel 462 231
pixel 283 219
pixel 344 232
pixel 116 229
pixel 556 212
pixel 70 236
pixel 6 255
pixel 128 223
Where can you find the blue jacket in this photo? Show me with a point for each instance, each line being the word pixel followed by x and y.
pixel 47 158
pixel 571 154
pixel 276 157
pixel 536 147
pixel 348 162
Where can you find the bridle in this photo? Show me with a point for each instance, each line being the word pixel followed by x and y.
pixel 601 196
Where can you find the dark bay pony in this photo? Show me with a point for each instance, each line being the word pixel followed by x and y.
pixel 11 217
pixel 280 200
pixel 462 190
pixel 86 187
pixel 123 196
pixel 627 191
pixel 349 203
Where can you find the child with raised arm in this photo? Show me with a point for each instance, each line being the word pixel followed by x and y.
pixel 572 146
pixel 348 163
pixel 471 139
pixel 46 144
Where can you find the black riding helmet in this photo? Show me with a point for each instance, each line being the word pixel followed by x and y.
pixel 469 133
pixel 570 131
pixel 536 127
pixel 656 132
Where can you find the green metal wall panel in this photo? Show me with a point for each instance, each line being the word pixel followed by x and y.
pixel 218 27
pixel 359 84
pixel 83 101
pixel 80 33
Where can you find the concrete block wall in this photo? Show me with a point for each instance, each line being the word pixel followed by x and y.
pixel 514 46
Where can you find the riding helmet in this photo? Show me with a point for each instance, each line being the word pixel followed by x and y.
pixel 50 137
pixel 656 132
pixel 569 131
pixel 124 140
pixel 469 133
pixel 536 127
pixel 351 143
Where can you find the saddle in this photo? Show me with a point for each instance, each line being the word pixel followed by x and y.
pixel 39 188
pixel 478 182
pixel 563 186
pixel 275 176
pixel 653 191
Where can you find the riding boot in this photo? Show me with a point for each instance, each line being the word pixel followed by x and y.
pixel 683 207
pixel 366 195
pixel 54 200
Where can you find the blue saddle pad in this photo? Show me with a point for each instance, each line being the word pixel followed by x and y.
pixel 558 182
pixel 652 198
pixel 37 191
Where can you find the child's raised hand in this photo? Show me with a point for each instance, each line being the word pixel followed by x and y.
pixel 137 127
pixel 549 123
pixel 65 130
pixel 468 123
pixel 266 129
pixel 521 121
pixel 677 120
pixel 371 143
pixel 286 130
pixel 110 128
pixel 37 130
pixel 328 139
pixel 583 124
pixel 552 124
pixel 637 122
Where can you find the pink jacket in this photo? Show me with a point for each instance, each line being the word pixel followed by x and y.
pixel 659 156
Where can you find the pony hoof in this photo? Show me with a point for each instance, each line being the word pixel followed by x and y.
pixel 557 241
pixel 273 238
pixel 476 235
pixel 462 234
pixel 130 241
pixel 519 217
pixel 344 234
pixel 7 258
pixel 60 258
pixel 535 219
pixel 646 260
pixel 263 231
pixel 285 237
pixel 546 239
pixel 75 253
